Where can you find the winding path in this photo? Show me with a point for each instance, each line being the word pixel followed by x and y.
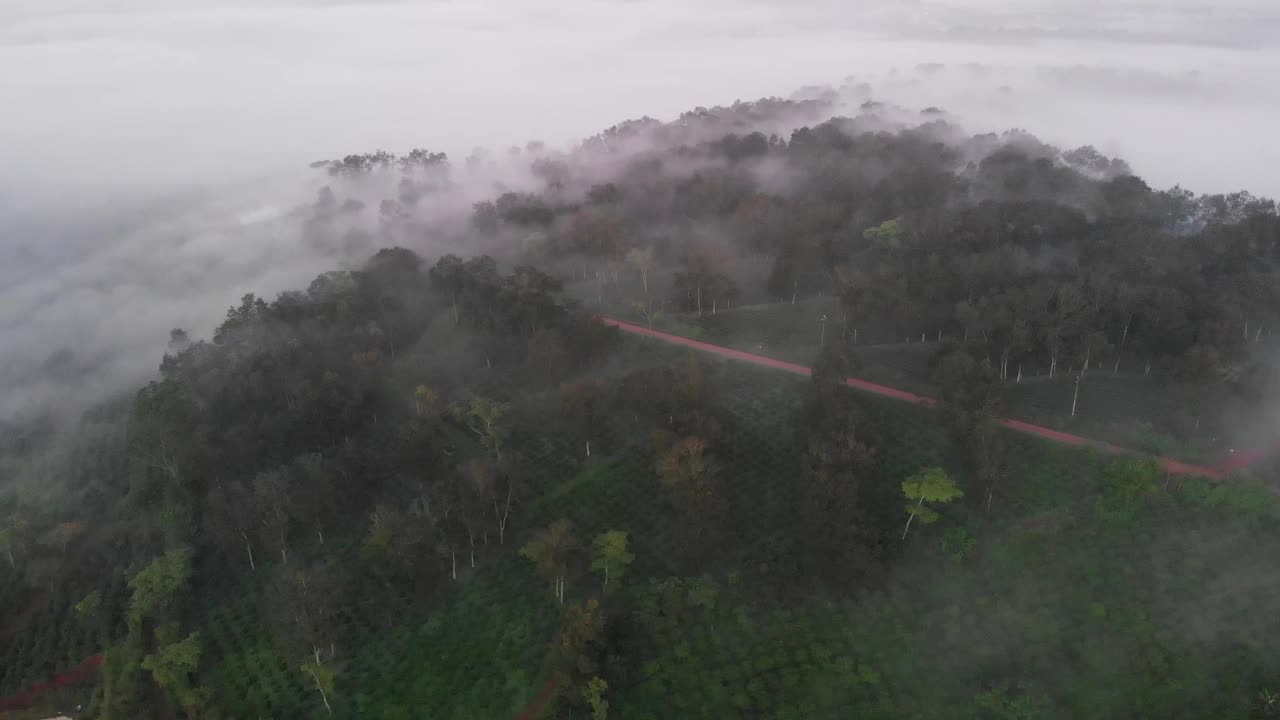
pixel 1176 467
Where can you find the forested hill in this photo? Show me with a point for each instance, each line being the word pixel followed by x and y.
pixel 350 458
pixel 1051 256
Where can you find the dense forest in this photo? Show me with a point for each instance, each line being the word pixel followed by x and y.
pixel 436 484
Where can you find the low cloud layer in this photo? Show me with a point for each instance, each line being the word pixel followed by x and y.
pixel 154 149
pixel 130 93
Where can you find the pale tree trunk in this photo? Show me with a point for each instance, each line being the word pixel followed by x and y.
pixel 644 278
pixel 606 576
pixel 911 517
pixel 323 698
pixel 1120 348
pixel 1019 380
pixel 699 299
pixel 455 308
pixel 1088 352
pixel 453 559
pixel 472 539
pixel 501 514
pixel 320 534
pixel 714 301
pixel 14 564
pixel 1075 397
pixel 588 448
pixel 247 546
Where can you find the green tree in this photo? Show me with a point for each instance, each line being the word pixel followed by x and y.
pixel 966 390
pixel 687 475
pixel 88 607
pixel 609 555
pixel 172 665
pixel 933 485
pixel 642 260
pixel 594 695
pixel 650 311
pixel 552 551
pixel 484 418
pixel 322 679
pixel 156 586
pixel 887 235
pixel 1127 485
pixel 580 649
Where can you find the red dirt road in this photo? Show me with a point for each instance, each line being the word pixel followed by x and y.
pixel 535 705
pixel 75 676
pixel 1177 467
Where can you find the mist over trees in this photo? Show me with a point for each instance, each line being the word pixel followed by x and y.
pixel 373 442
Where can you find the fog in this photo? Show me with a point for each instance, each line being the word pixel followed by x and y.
pixel 128 93
pixel 153 149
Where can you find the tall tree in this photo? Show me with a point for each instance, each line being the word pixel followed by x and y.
pixel 273 495
pixel 610 557
pixel 231 517
pixel 484 418
pixel 553 551
pixel 688 476
pixel 642 260
pixel 933 485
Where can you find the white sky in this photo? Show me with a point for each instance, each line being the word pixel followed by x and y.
pixel 131 93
